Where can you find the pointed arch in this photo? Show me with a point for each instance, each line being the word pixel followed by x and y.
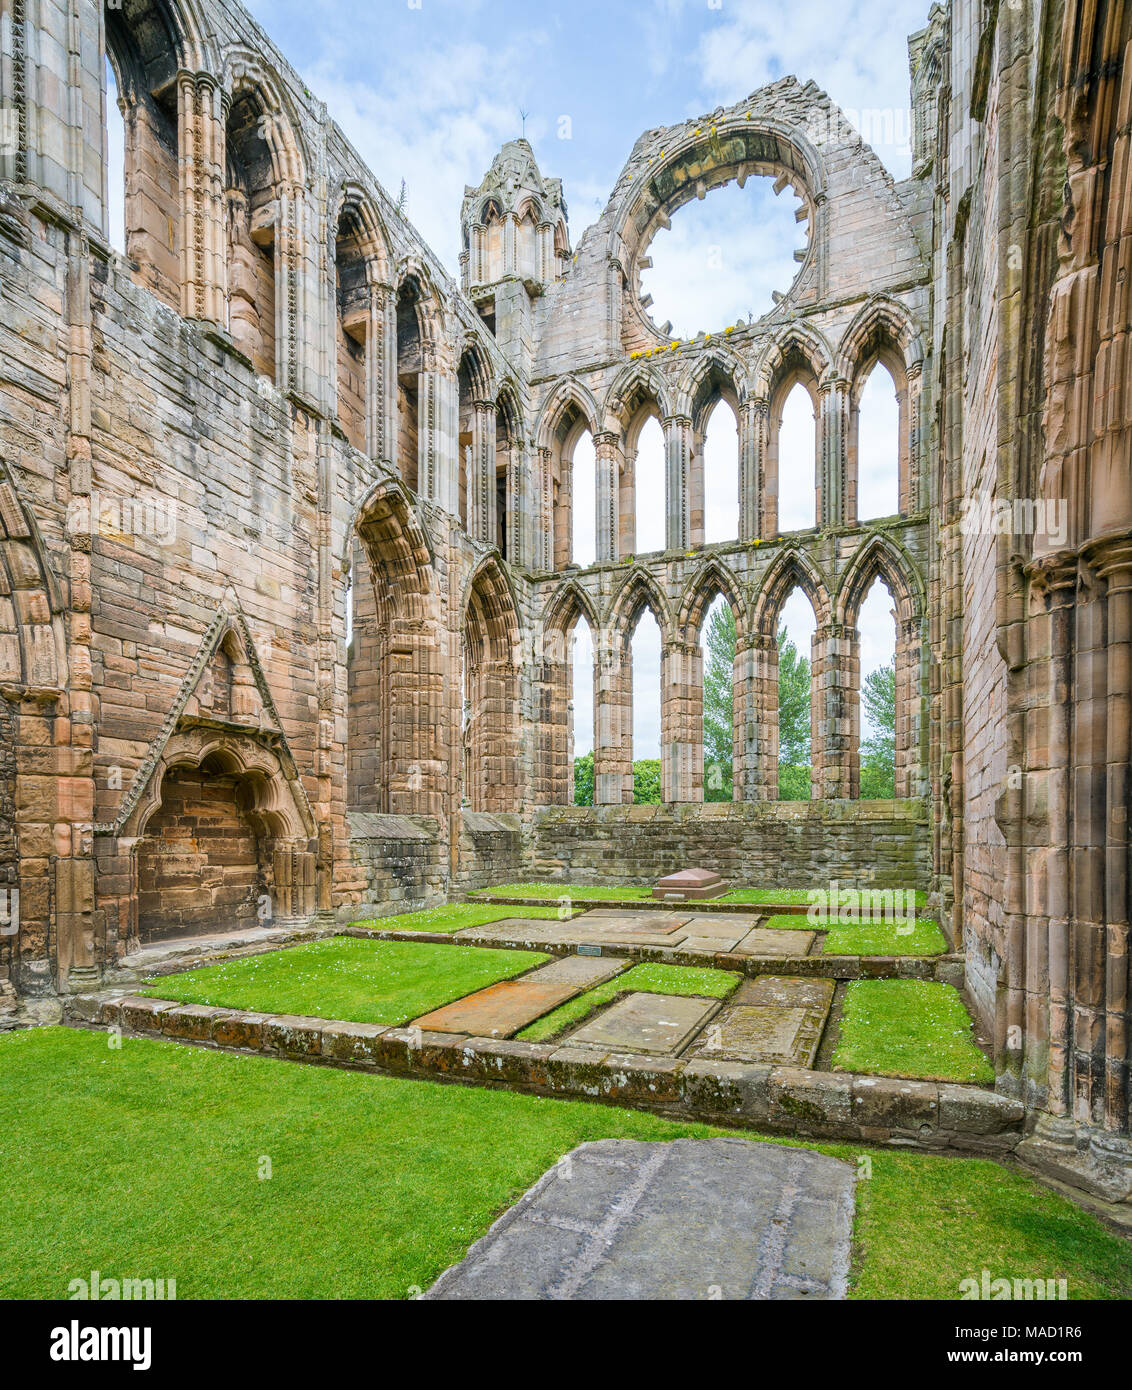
pixel 353 203
pixel 246 76
pixel 713 579
pixel 566 605
pixel 554 668
pixel 639 591
pixel 490 627
pixel 881 328
pixel 882 332
pixel 792 348
pixel 567 394
pixel 718 374
pixel 880 557
pixel 792 568
pixel 398 760
pixel 359 275
pixel 568 413
pixel 633 389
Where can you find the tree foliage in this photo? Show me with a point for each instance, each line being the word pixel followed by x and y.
pixel 878 751
pixel 794 759
pixel 719 703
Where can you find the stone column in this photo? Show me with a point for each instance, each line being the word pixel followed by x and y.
pixel 682 722
pixel 833 507
pixel 200 161
pixel 1113 561
pixel 754 420
pixel 761 727
pixel 542 541
pixel 677 460
pixel 697 500
pixel 908 709
pixel 844 703
pixel 607 448
pixel 627 507
pixel 911 500
pixel 438 404
pixel 744 739
pixel 553 774
pixel 482 520
pixel 381 374
pixel 827 704
pixel 613 747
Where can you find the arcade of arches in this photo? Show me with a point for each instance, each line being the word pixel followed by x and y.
pixel 307 549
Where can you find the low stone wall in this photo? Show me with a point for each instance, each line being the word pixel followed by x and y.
pixel 491 850
pixel 403 861
pixel 774 844
pixel 788 1100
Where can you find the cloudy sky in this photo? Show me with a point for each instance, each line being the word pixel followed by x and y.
pixel 428 90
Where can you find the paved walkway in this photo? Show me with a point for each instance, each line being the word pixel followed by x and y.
pixel 612 928
pixel 691 1219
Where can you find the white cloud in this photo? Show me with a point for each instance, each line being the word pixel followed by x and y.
pixel 723 257
pixel 856 51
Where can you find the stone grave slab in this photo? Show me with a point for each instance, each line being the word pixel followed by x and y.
pixel 652 1024
pixel 650 923
pixel 689 885
pixel 499 1010
pixel 689 1219
pixel 710 944
pixel 583 972
pixel 765 941
pixel 725 928
pixel 752 1034
pixel 786 992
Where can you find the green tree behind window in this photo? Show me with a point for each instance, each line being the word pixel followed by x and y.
pixel 878 751
pixel 793 721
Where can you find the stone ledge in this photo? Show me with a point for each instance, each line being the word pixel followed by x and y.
pixel 787 1100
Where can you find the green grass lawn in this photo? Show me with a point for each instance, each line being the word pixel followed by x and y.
pixel 789 897
pixel 917 936
pixel 563 890
pixel 641 979
pixel 455 917
pixel 913 1028
pixel 388 982
pixel 789 921
pixel 146 1161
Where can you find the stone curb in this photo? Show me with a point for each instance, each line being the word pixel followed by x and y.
pixel 944 969
pixel 790 1100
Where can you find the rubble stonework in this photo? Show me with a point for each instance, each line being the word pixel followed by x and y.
pixel 286 592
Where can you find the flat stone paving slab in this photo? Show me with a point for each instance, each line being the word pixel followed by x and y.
pixel 786 992
pixel 765 941
pixel 776 1018
pixel 690 1219
pixel 499 1010
pixel 584 972
pixel 646 1023
pixel 752 1034
pixel 650 923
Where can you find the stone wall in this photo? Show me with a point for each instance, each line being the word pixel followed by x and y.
pixel 771 845
pixel 402 863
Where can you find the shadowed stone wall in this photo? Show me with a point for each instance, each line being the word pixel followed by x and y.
pixel 773 845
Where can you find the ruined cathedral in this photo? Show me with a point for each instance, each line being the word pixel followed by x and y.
pixel 287 591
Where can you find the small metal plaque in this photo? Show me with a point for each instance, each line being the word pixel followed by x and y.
pixel 589 950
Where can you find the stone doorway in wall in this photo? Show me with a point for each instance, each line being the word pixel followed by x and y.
pixel 199 862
